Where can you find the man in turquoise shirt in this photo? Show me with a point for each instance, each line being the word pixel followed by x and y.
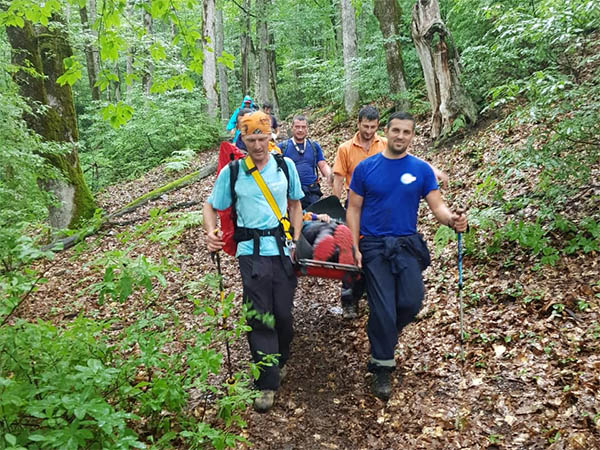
pixel 268 277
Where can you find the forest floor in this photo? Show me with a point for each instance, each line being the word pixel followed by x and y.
pixel 530 376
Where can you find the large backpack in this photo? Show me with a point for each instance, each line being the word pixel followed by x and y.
pixel 230 155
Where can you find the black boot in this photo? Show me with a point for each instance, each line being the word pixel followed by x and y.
pixel 381 384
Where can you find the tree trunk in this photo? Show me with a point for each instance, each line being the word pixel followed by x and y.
pixel 349 42
pixel 273 74
pixel 441 68
pixel 53 116
pixel 209 66
pixel 222 72
pixel 262 94
pixel 91 62
pixel 246 44
pixel 389 15
pixel 149 66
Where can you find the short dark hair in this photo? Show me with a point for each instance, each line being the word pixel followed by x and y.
pixel 300 118
pixel 268 105
pixel 368 113
pixel 401 115
pixel 242 112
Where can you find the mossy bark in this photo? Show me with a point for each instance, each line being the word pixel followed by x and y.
pixel 43 49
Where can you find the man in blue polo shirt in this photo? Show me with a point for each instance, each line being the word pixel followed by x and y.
pixel 309 160
pixel 385 193
pixel 268 277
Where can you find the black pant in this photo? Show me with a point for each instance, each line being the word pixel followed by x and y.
pixel 395 290
pixel 270 291
pixel 312 194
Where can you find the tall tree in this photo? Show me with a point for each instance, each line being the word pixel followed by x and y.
pixel 389 15
pixel 349 45
pixel 441 68
pixel 262 94
pixel 222 73
pixel 209 66
pixel 91 55
pixel 43 49
pixel 246 48
pixel 273 74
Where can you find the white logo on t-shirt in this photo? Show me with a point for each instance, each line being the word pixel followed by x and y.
pixel 407 178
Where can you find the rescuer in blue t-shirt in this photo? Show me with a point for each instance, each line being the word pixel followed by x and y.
pixel 385 192
pixel 309 160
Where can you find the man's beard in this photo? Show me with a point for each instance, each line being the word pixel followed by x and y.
pixel 396 152
pixel 367 138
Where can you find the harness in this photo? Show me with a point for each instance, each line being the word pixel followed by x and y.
pixel 283 232
pixel 301 153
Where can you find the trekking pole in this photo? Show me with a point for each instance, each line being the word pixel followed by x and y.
pixel 460 286
pixel 460 211
pixel 216 258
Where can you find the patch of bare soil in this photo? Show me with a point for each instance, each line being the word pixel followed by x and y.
pixel 529 379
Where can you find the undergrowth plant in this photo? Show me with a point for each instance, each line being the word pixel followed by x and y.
pixel 85 386
pixel 149 138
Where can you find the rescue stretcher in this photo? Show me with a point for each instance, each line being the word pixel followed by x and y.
pixel 305 266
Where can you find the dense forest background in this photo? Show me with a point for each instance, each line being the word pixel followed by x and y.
pixel 96 94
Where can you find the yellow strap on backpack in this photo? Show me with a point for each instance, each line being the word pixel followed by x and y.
pixel 284 220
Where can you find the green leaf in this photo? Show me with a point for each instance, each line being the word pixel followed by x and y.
pixel 118 114
pixel 159 8
pixel 11 439
pixel 72 72
pixel 37 437
pixel 226 59
pixel 157 51
pixel 125 287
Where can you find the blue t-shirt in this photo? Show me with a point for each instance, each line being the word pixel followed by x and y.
pixel 304 160
pixel 391 191
pixel 252 208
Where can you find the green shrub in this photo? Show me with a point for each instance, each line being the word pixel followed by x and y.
pixel 164 124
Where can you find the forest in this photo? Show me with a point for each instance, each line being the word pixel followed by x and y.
pixel 116 328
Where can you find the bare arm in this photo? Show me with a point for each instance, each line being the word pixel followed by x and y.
pixel 214 236
pixel 442 213
pixel 338 185
pixel 295 211
pixel 355 203
pixel 325 169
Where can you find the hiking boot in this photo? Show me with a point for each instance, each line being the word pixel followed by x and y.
pixel 381 385
pixel 264 401
pixel 350 311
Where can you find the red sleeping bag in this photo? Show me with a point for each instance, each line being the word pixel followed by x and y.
pixel 227 153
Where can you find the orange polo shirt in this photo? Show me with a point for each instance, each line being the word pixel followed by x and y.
pixel 350 153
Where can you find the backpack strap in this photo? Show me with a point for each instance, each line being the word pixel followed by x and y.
pixel 234 169
pixel 284 168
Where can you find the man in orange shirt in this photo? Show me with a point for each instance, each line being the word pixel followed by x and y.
pixel 366 142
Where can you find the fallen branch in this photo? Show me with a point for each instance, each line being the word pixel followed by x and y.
pixel 68 242
pixel 180 205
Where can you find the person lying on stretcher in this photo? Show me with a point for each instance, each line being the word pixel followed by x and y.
pixel 325 240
